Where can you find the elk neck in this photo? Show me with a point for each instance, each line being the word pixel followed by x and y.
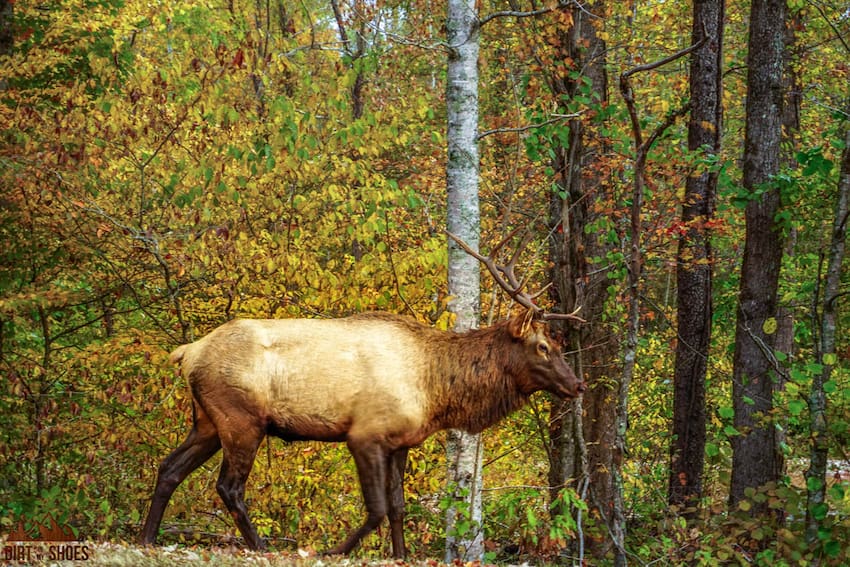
pixel 474 378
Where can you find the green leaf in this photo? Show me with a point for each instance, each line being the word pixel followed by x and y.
pixel 814 368
pixel 799 376
pixel 731 431
pixel 711 450
pixel 819 511
pixel 531 518
pixel 814 483
pixel 832 548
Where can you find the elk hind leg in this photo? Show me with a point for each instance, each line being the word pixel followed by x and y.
pixel 240 449
pixel 202 443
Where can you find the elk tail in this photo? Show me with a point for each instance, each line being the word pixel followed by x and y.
pixel 176 356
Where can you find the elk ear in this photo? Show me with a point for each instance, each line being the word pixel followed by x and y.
pixel 520 324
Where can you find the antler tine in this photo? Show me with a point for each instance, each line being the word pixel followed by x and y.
pixel 502 242
pixel 542 291
pixel 499 273
pixel 565 316
pixel 488 261
pixel 508 269
pixel 522 246
pixel 503 275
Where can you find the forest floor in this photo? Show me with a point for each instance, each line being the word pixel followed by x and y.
pixel 103 554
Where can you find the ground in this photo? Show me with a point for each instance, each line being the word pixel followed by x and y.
pixel 91 554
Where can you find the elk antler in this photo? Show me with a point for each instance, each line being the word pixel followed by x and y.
pixel 505 277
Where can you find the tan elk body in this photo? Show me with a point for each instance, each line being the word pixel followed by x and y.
pixel 380 383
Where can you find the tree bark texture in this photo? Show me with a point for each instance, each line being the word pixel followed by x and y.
pixel 464 451
pixel 694 262
pixel 793 94
pixel 755 459
pixel 582 450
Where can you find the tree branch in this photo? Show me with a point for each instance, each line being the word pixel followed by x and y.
pixel 557 118
pixel 518 14
pixel 666 60
pixel 529 14
pixel 629 97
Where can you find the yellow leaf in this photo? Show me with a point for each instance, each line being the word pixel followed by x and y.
pixel 770 325
pixel 446 321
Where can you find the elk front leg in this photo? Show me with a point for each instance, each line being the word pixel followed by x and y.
pixel 371 461
pixel 395 499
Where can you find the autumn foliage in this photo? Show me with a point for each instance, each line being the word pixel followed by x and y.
pixel 165 167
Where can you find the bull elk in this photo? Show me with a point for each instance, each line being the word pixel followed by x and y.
pixel 381 383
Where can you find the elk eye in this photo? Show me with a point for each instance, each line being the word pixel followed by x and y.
pixel 543 348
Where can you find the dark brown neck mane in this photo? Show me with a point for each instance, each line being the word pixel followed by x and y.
pixel 473 377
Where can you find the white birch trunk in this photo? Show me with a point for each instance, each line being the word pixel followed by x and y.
pixel 464 536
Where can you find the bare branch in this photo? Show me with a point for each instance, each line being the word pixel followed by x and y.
pixel 517 14
pixel 529 14
pixel 557 118
pixel 838 35
pixel 665 60
pixel 629 97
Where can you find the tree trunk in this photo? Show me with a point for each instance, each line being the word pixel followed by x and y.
pixel 7 38
pixel 354 50
pixel 793 94
pixel 694 263
pixel 825 351
pixel 755 459
pixel 582 452
pixel 464 536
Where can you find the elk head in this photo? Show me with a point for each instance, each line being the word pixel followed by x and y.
pixel 548 370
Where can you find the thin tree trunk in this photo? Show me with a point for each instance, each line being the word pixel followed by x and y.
pixel 7 39
pixel 464 536
pixel 694 263
pixel 816 473
pixel 355 50
pixel 635 267
pixel 755 459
